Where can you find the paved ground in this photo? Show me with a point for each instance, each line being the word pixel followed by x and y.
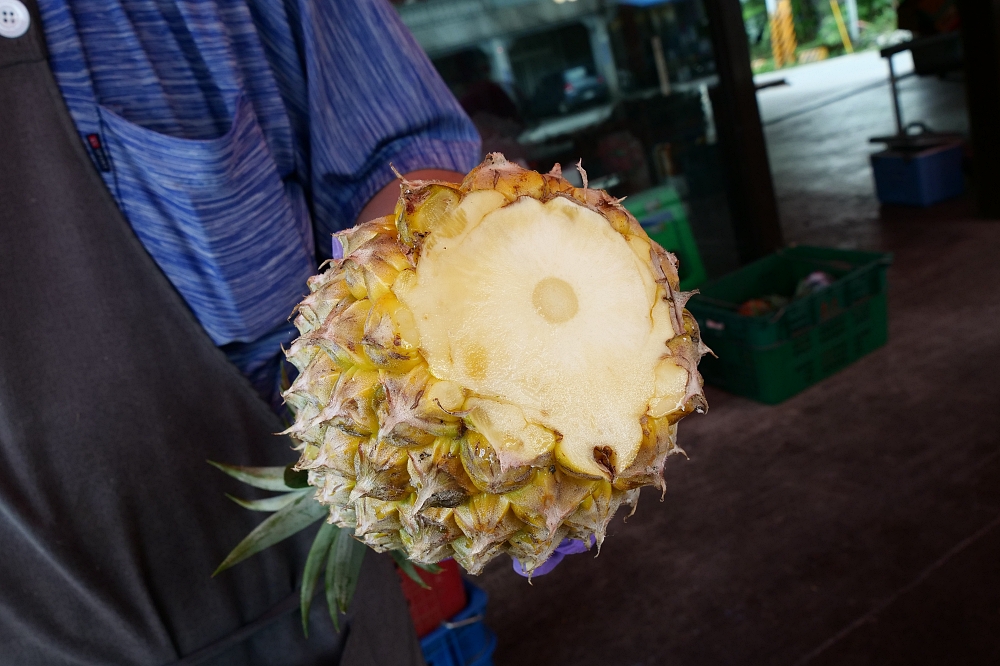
pixel 817 130
pixel 858 522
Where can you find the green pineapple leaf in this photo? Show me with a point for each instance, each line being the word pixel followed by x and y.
pixel 429 568
pixel 265 478
pixel 303 511
pixel 314 564
pixel 408 568
pixel 268 504
pixel 342 571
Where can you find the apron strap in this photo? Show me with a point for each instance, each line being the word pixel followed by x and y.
pixel 112 397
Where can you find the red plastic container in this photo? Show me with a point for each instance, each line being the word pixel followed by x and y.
pixel 429 608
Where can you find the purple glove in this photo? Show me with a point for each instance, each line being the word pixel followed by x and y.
pixel 567 547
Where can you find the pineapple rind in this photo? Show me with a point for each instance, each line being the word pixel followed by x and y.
pixel 412 462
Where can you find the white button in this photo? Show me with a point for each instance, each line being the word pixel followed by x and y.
pixel 14 19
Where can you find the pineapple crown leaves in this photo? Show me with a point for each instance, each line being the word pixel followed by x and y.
pixel 334 549
pixel 265 478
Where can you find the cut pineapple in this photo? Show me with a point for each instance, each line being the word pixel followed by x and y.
pixel 499 367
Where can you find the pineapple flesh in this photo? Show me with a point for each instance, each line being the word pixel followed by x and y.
pixel 498 366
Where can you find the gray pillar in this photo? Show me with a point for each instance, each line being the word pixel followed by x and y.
pixel 741 136
pixel 600 46
pixel 981 44
pixel 852 19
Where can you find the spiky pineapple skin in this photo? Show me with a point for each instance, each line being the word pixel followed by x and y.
pixel 388 446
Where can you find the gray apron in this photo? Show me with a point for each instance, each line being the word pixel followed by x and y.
pixel 112 397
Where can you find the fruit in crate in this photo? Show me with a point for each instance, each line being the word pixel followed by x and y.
pixel 499 366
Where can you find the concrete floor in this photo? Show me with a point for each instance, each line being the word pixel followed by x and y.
pixel 856 523
pixel 817 130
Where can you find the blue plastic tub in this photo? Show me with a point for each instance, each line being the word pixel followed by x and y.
pixel 919 178
pixel 464 640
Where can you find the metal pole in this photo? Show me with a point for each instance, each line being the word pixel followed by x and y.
pixel 844 37
pixel 661 66
pixel 852 19
pixel 895 97
pixel 500 67
pixel 600 47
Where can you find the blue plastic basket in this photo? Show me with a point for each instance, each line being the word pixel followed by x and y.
pixel 464 640
pixel 918 178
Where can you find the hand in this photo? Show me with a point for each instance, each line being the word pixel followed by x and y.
pixel 567 547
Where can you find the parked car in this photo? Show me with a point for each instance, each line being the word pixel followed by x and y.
pixel 568 90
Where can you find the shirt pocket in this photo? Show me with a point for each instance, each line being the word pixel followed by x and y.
pixel 218 220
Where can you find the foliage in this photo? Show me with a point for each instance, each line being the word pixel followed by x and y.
pixel 829 33
pixel 807 19
pixel 334 550
pixel 815 26
pixel 755 21
pixel 874 10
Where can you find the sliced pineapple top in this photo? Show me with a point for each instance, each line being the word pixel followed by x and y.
pixel 547 315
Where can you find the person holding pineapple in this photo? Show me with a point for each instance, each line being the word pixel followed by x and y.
pixel 172 174
pixel 497 367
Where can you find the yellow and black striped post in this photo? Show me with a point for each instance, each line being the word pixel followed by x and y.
pixel 783 43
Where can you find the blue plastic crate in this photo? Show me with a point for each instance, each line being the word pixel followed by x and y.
pixel 919 178
pixel 464 640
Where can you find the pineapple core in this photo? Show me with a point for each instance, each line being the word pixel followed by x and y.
pixel 548 316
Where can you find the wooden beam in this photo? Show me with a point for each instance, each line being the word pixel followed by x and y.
pixel 741 136
pixel 981 48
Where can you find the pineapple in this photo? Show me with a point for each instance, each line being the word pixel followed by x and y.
pixel 498 366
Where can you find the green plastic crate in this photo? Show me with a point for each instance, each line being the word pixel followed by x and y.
pixel 661 213
pixel 772 357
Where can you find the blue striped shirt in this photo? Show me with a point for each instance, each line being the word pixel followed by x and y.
pixel 237 135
